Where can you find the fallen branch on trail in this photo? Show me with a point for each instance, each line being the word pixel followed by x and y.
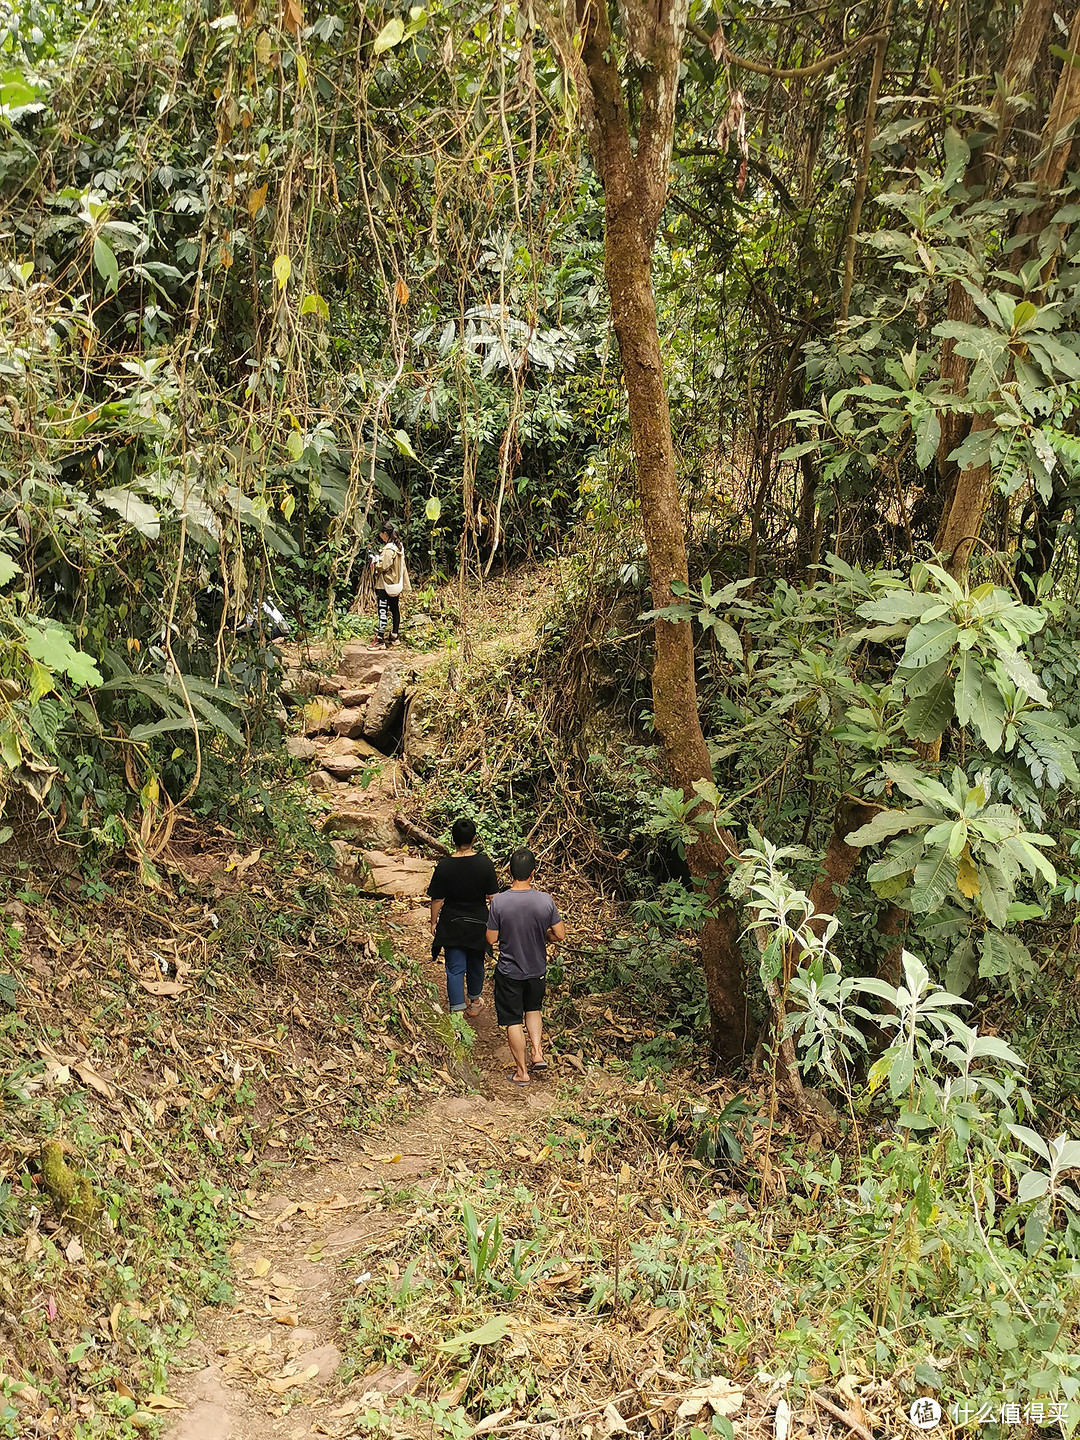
pixel 419 836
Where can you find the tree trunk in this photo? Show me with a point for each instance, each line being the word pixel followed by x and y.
pixel 627 254
pixel 635 180
pixel 966 491
pixel 840 859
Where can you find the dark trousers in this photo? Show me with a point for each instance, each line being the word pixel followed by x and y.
pixel 389 610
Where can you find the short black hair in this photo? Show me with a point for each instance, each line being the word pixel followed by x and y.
pixel 522 864
pixel 463 831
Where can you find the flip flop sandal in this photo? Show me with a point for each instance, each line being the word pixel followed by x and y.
pixel 539 1065
pixel 510 1076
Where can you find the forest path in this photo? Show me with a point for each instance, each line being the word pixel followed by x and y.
pixel 269 1367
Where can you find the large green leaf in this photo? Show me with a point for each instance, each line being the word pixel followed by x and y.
pixel 934 881
pixel 901 858
pixel 105 264
pixel 135 511
pixel 1021 674
pixel 962 967
pixel 897 605
pixel 995 894
pixel 918 682
pixel 1025 849
pixel 488 1334
pixel 8 568
pixel 891 822
pixel 930 640
pixel 392 33
pixel 968 681
pixel 51 644
pixel 923 787
pixel 927 715
pixel 1004 955
pixel 986 706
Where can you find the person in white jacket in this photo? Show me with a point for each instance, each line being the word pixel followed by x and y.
pixel 391 580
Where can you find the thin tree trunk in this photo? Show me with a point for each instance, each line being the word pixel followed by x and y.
pixel 862 183
pixel 627 263
pixel 634 172
pixel 965 493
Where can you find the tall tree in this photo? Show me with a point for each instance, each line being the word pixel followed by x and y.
pixel 967 491
pixel 632 161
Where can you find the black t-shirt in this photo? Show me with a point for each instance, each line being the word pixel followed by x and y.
pixel 463 883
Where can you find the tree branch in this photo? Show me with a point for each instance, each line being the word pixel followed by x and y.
pixel 715 44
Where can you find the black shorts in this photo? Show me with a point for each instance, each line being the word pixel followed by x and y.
pixel 513 998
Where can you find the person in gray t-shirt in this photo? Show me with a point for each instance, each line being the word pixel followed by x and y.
pixel 522 920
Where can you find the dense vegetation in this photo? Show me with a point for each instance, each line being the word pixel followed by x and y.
pixel 765 325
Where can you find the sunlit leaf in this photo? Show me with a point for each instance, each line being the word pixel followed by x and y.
pixel 392 33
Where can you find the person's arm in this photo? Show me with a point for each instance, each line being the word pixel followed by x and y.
pixel 556 930
pixel 436 910
pixel 492 933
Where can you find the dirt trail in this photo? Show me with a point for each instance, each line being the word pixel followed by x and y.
pixel 269 1366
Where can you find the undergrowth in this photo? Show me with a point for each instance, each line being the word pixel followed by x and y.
pixel 184 1049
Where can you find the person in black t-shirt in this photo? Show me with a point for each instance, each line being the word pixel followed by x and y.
pixel 461 890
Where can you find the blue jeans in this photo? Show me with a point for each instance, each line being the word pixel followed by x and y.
pixel 459 965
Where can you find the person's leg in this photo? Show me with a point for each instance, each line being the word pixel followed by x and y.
pixel 455 979
pixel 508 1012
pixel 532 1000
pixel 474 971
pixel 534 1024
pixel 515 1038
pixel 382 602
pixel 394 602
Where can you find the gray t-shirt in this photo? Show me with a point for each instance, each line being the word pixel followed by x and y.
pixel 522 918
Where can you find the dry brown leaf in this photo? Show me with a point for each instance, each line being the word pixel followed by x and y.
pixel 122 1389
pixel 846 1386
pixel 260 1266
pixel 164 987
pixel 490 1422
pixel 238 863
pixel 74 1251
pixel 782 1420
pixel 33 1246
pixel 89 1076
pixel 256 200
pixel 342 1412
pixel 614 1423
pixel 292 17
pixel 722 1397
pixel 162 1402
pixel 285 1382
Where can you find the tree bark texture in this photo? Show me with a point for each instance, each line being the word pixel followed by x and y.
pixel 967 491
pixel 635 181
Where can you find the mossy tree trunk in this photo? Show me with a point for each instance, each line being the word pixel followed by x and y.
pixel 633 167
